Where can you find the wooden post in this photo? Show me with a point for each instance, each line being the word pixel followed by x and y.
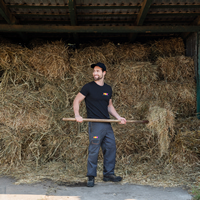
pixel 198 76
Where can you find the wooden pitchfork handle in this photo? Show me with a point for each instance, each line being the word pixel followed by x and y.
pixel 107 120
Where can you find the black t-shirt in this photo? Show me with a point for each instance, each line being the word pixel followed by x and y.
pixel 97 100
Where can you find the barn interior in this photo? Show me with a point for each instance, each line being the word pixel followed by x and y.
pixel 151 49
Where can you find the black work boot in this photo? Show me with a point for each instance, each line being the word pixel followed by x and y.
pixel 90 182
pixel 112 178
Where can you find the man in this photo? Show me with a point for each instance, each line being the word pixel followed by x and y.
pixel 97 95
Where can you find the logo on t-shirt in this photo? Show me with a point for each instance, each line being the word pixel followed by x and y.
pixel 105 94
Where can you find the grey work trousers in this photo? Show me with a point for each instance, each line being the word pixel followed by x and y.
pixel 101 135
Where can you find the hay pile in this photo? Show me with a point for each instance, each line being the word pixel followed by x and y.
pixel 37 90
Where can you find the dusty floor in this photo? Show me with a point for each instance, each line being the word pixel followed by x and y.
pixel 48 190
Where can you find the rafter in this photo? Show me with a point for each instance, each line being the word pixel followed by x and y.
pixel 72 12
pixel 110 15
pixel 141 16
pixel 73 18
pixel 10 19
pixel 143 12
pixel 6 14
pixel 195 22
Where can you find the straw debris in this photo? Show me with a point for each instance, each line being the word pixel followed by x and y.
pixel 161 122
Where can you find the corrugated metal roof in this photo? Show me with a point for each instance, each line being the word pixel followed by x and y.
pixel 106 13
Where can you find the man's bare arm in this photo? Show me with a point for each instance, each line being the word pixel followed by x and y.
pixel 114 113
pixel 79 97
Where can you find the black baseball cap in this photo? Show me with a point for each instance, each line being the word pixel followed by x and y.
pixel 99 65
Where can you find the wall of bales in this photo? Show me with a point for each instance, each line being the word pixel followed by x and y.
pixel 153 81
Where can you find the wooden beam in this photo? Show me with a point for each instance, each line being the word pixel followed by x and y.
pixel 6 14
pixel 78 15
pixel 106 21
pixel 73 18
pixel 110 15
pixel 72 12
pixel 141 16
pixel 97 29
pixel 195 22
pixel 10 19
pixel 67 6
pixel 143 12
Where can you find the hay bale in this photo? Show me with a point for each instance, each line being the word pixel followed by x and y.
pixel 133 52
pixel 185 147
pixel 34 118
pixel 83 58
pixel 177 68
pixel 131 82
pixel 21 109
pixel 138 72
pixel 10 151
pixel 110 51
pixel 188 130
pixel 167 48
pixel 181 97
pixel 15 66
pixel 13 56
pixel 51 60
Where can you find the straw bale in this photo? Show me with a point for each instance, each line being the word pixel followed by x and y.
pixel 14 65
pixel 131 82
pixel 19 109
pixel 83 58
pixel 110 51
pixel 35 120
pixel 13 56
pixel 177 68
pixel 190 141
pixel 51 60
pixel 10 152
pixel 138 72
pixel 161 122
pixel 133 52
pixel 167 48
pixel 181 96
pixel 188 130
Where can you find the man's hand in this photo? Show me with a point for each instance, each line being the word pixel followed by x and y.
pixel 79 118
pixel 123 120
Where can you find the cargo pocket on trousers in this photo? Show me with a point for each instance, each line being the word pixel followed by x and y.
pixel 95 141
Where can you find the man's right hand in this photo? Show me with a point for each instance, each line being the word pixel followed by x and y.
pixel 79 118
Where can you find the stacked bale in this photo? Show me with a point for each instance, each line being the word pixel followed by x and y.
pixel 37 90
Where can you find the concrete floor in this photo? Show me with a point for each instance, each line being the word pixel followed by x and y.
pixel 48 190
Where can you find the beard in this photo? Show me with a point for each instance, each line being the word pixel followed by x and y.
pixel 98 78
